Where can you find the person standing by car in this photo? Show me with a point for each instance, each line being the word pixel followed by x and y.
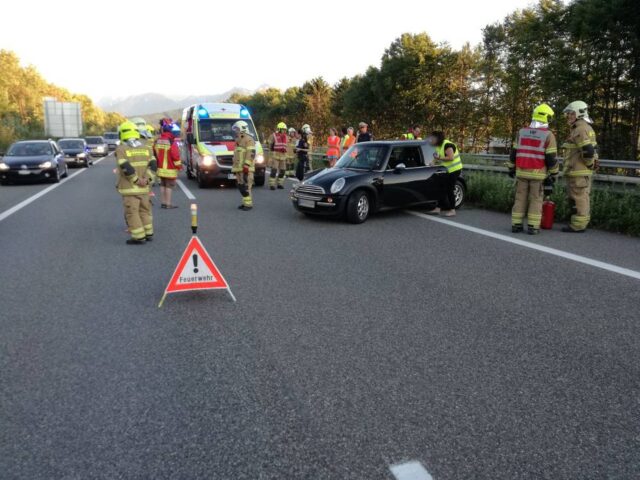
pixel 533 161
pixel 447 154
pixel 348 139
pixel 244 156
pixel 136 171
pixel 278 148
pixel 333 147
pixel 580 160
pixel 302 149
pixel 364 135
pixel 167 154
pixel 292 141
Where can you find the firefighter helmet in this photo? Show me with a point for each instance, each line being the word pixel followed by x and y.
pixel 240 127
pixel 543 113
pixel 579 108
pixel 306 129
pixel 128 130
pixel 292 131
pixel 282 126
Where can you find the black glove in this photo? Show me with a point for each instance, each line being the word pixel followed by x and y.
pixel 548 186
pixel 512 173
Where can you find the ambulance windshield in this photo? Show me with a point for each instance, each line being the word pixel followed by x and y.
pixel 219 129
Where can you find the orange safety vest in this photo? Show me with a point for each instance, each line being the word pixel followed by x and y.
pixel 334 146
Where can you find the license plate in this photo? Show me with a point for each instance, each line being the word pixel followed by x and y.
pixel 24 172
pixel 231 176
pixel 306 203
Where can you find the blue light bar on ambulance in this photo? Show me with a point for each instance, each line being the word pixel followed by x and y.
pixel 203 112
pixel 244 113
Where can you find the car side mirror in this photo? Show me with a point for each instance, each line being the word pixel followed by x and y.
pixel 399 168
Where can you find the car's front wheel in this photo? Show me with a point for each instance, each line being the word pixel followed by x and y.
pixel 358 207
pixel 459 194
pixel 201 180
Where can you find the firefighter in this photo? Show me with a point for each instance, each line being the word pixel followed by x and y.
pixel 167 154
pixel 136 171
pixel 292 141
pixel 534 164
pixel 244 157
pixel 306 130
pixel 580 160
pixel 278 147
pixel 303 147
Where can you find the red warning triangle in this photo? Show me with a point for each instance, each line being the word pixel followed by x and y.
pixel 196 271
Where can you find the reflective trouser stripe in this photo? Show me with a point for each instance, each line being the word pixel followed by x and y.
pixel 579 173
pixel 133 191
pixel 167 173
pixel 137 212
pixel 529 196
pixel 137 233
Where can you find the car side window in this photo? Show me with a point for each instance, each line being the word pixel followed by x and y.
pixel 411 157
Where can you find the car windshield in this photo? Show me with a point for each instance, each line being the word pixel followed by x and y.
pixel 363 157
pixel 111 136
pixel 29 149
pixel 94 140
pixel 71 144
pixel 219 129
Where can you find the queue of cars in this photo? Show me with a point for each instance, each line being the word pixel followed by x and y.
pixel 47 160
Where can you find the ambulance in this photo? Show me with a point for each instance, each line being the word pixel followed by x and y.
pixel 208 142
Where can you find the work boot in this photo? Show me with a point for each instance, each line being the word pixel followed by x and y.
pixel 517 228
pixel 280 187
pixel 246 208
pixel 148 238
pixel 450 213
pixel 533 231
pixel 571 230
pixel 135 241
pixel 272 187
pixel 164 205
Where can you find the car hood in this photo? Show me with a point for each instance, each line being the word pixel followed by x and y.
pixel 9 160
pixel 73 151
pixel 329 175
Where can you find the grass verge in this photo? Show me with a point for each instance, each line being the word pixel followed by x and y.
pixel 611 210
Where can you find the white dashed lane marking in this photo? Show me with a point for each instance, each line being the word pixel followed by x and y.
pixel 534 246
pixel 186 191
pixel 410 471
pixel 16 208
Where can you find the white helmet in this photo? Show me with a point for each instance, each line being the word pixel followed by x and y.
pixel 240 127
pixel 292 131
pixel 579 108
pixel 306 129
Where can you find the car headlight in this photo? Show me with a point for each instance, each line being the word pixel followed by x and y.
pixel 337 185
pixel 46 165
pixel 4 166
pixel 207 160
pixel 81 155
pixel 259 158
pixel 100 148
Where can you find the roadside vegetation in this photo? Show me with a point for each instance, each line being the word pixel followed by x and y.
pixel 616 211
pixel 22 90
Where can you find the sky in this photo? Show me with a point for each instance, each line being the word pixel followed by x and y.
pixel 121 48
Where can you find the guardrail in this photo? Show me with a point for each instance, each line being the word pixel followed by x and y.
pixel 495 163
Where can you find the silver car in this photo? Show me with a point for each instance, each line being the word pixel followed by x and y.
pixel 97 146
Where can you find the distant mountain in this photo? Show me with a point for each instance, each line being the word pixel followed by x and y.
pixel 151 103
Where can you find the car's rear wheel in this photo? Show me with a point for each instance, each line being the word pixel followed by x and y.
pixel 56 177
pixel 459 194
pixel 358 207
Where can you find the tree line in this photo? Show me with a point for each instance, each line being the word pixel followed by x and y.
pixel 22 90
pixel 551 52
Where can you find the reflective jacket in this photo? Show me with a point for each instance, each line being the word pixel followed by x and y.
pixel 453 165
pixel 535 154
pixel 279 142
pixel 347 141
pixel 168 156
pixel 582 139
pixel 244 153
pixel 291 147
pixel 135 160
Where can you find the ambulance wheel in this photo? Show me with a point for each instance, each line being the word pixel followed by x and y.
pixel 190 174
pixel 201 180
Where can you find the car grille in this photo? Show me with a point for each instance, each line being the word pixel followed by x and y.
pixel 310 190
pixel 226 160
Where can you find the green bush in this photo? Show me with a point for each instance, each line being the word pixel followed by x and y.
pixel 611 210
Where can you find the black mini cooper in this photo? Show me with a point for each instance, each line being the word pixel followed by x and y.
pixel 374 176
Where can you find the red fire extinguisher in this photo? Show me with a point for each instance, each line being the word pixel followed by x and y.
pixel 548 212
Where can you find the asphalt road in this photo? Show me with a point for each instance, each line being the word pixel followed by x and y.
pixel 350 348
